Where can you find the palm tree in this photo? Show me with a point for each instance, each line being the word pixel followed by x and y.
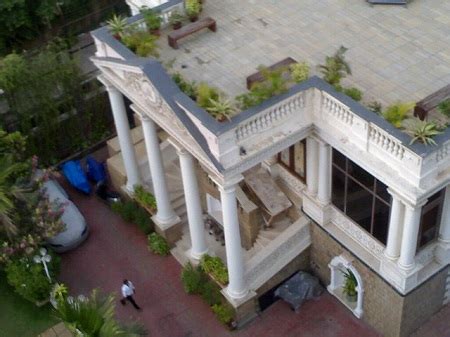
pixel 94 317
pixel 335 67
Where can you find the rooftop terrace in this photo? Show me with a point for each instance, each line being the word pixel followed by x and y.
pixel 396 53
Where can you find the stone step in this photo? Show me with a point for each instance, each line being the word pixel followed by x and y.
pixel 268 234
pixel 263 241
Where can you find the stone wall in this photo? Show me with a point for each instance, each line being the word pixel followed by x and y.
pixel 385 309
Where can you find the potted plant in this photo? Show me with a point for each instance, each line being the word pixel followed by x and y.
pixel 117 25
pixel 176 19
pixel 193 8
pixel 349 287
pixel 152 20
pixel 221 109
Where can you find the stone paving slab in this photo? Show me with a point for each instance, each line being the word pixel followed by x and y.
pixel 59 330
pixel 397 53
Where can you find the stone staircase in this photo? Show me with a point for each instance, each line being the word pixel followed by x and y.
pixel 447 290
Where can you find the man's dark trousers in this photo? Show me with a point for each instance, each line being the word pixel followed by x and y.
pixel 131 299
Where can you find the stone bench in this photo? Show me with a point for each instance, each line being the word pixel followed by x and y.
pixel 189 29
pixel 258 76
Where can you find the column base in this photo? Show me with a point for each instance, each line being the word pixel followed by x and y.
pixel 389 257
pixel 403 279
pixel 172 231
pixel 442 252
pixel 320 213
pixel 238 301
pixel 195 256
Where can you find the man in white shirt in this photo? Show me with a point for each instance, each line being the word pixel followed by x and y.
pixel 127 294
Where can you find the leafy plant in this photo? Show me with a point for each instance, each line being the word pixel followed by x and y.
pixel 189 88
pixel 375 107
pixel 210 293
pixel 444 107
pixel 335 67
pixel 144 198
pixel 176 19
pixel 354 93
pixel 141 43
pixel 132 212
pixel 422 131
pixel 215 267
pixel 152 19
pixel 397 112
pixel 29 279
pixel 299 71
pixel 273 84
pixel 224 313
pixel 350 283
pixel 205 94
pixel 193 8
pixel 117 25
pixel 193 279
pixel 221 108
pixel 94 317
pixel 158 245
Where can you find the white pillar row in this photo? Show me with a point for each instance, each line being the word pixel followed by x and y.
pixel 410 236
pixel 312 165
pixel 165 214
pixel 193 205
pixel 124 136
pixel 236 287
pixel 324 183
pixel 444 229
pixel 394 239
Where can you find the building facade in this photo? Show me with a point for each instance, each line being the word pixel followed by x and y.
pixel 308 180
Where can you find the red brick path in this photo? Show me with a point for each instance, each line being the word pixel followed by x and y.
pixel 117 250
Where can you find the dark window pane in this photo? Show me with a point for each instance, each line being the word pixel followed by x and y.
pixel 360 175
pixel 429 226
pixel 338 190
pixel 381 221
pixel 359 204
pixel 382 191
pixel 435 196
pixel 339 159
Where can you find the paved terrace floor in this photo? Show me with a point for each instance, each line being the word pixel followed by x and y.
pixel 396 53
pixel 116 250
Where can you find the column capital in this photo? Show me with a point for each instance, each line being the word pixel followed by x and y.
pixel 142 116
pixel 227 184
pixel 107 83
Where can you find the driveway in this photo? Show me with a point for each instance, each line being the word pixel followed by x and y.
pixel 116 250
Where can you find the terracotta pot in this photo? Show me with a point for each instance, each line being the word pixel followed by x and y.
pixel 117 37
pixel 177 25
pixel 351 298
pixel 155 32
pixel 193 18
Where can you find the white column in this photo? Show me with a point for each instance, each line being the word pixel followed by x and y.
pixel 124 136
pixel 324 184
pixel 444 229
pixel 312 165
pixel 236 286
pixel 395 228
pixel 410 236
pixel 193 205
pixel 165 214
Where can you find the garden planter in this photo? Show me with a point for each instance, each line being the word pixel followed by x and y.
pixel 193 18
pixel 177 25
pixel 155 32
pixel 351 298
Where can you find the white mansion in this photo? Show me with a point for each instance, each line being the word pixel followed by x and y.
pixel 308 180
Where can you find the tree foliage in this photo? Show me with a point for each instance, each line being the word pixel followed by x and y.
pixel 45 95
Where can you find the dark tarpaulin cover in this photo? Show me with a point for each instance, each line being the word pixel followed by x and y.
pixel 300 287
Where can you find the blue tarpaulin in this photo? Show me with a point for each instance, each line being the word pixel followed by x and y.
pixel 75 175
pixel 95 170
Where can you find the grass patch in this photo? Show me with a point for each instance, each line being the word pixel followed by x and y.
pixel 20 317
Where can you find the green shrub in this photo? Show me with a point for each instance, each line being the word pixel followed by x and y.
pixel 132 212
pixel 444 107
pixel 422 131
pixel 224 313
pixel 193 279
pixel 354 93
pixel 151 18
pixel 396 113
pixel 210 293
pixel 193 8
pixel 299 71
pixel 205 94
pixel 375 107
pixel 158 245
pixel 144 197
pixel 141 43
pixel 335 67
pixel 29 279
pixel 215 267
pixel 189 88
